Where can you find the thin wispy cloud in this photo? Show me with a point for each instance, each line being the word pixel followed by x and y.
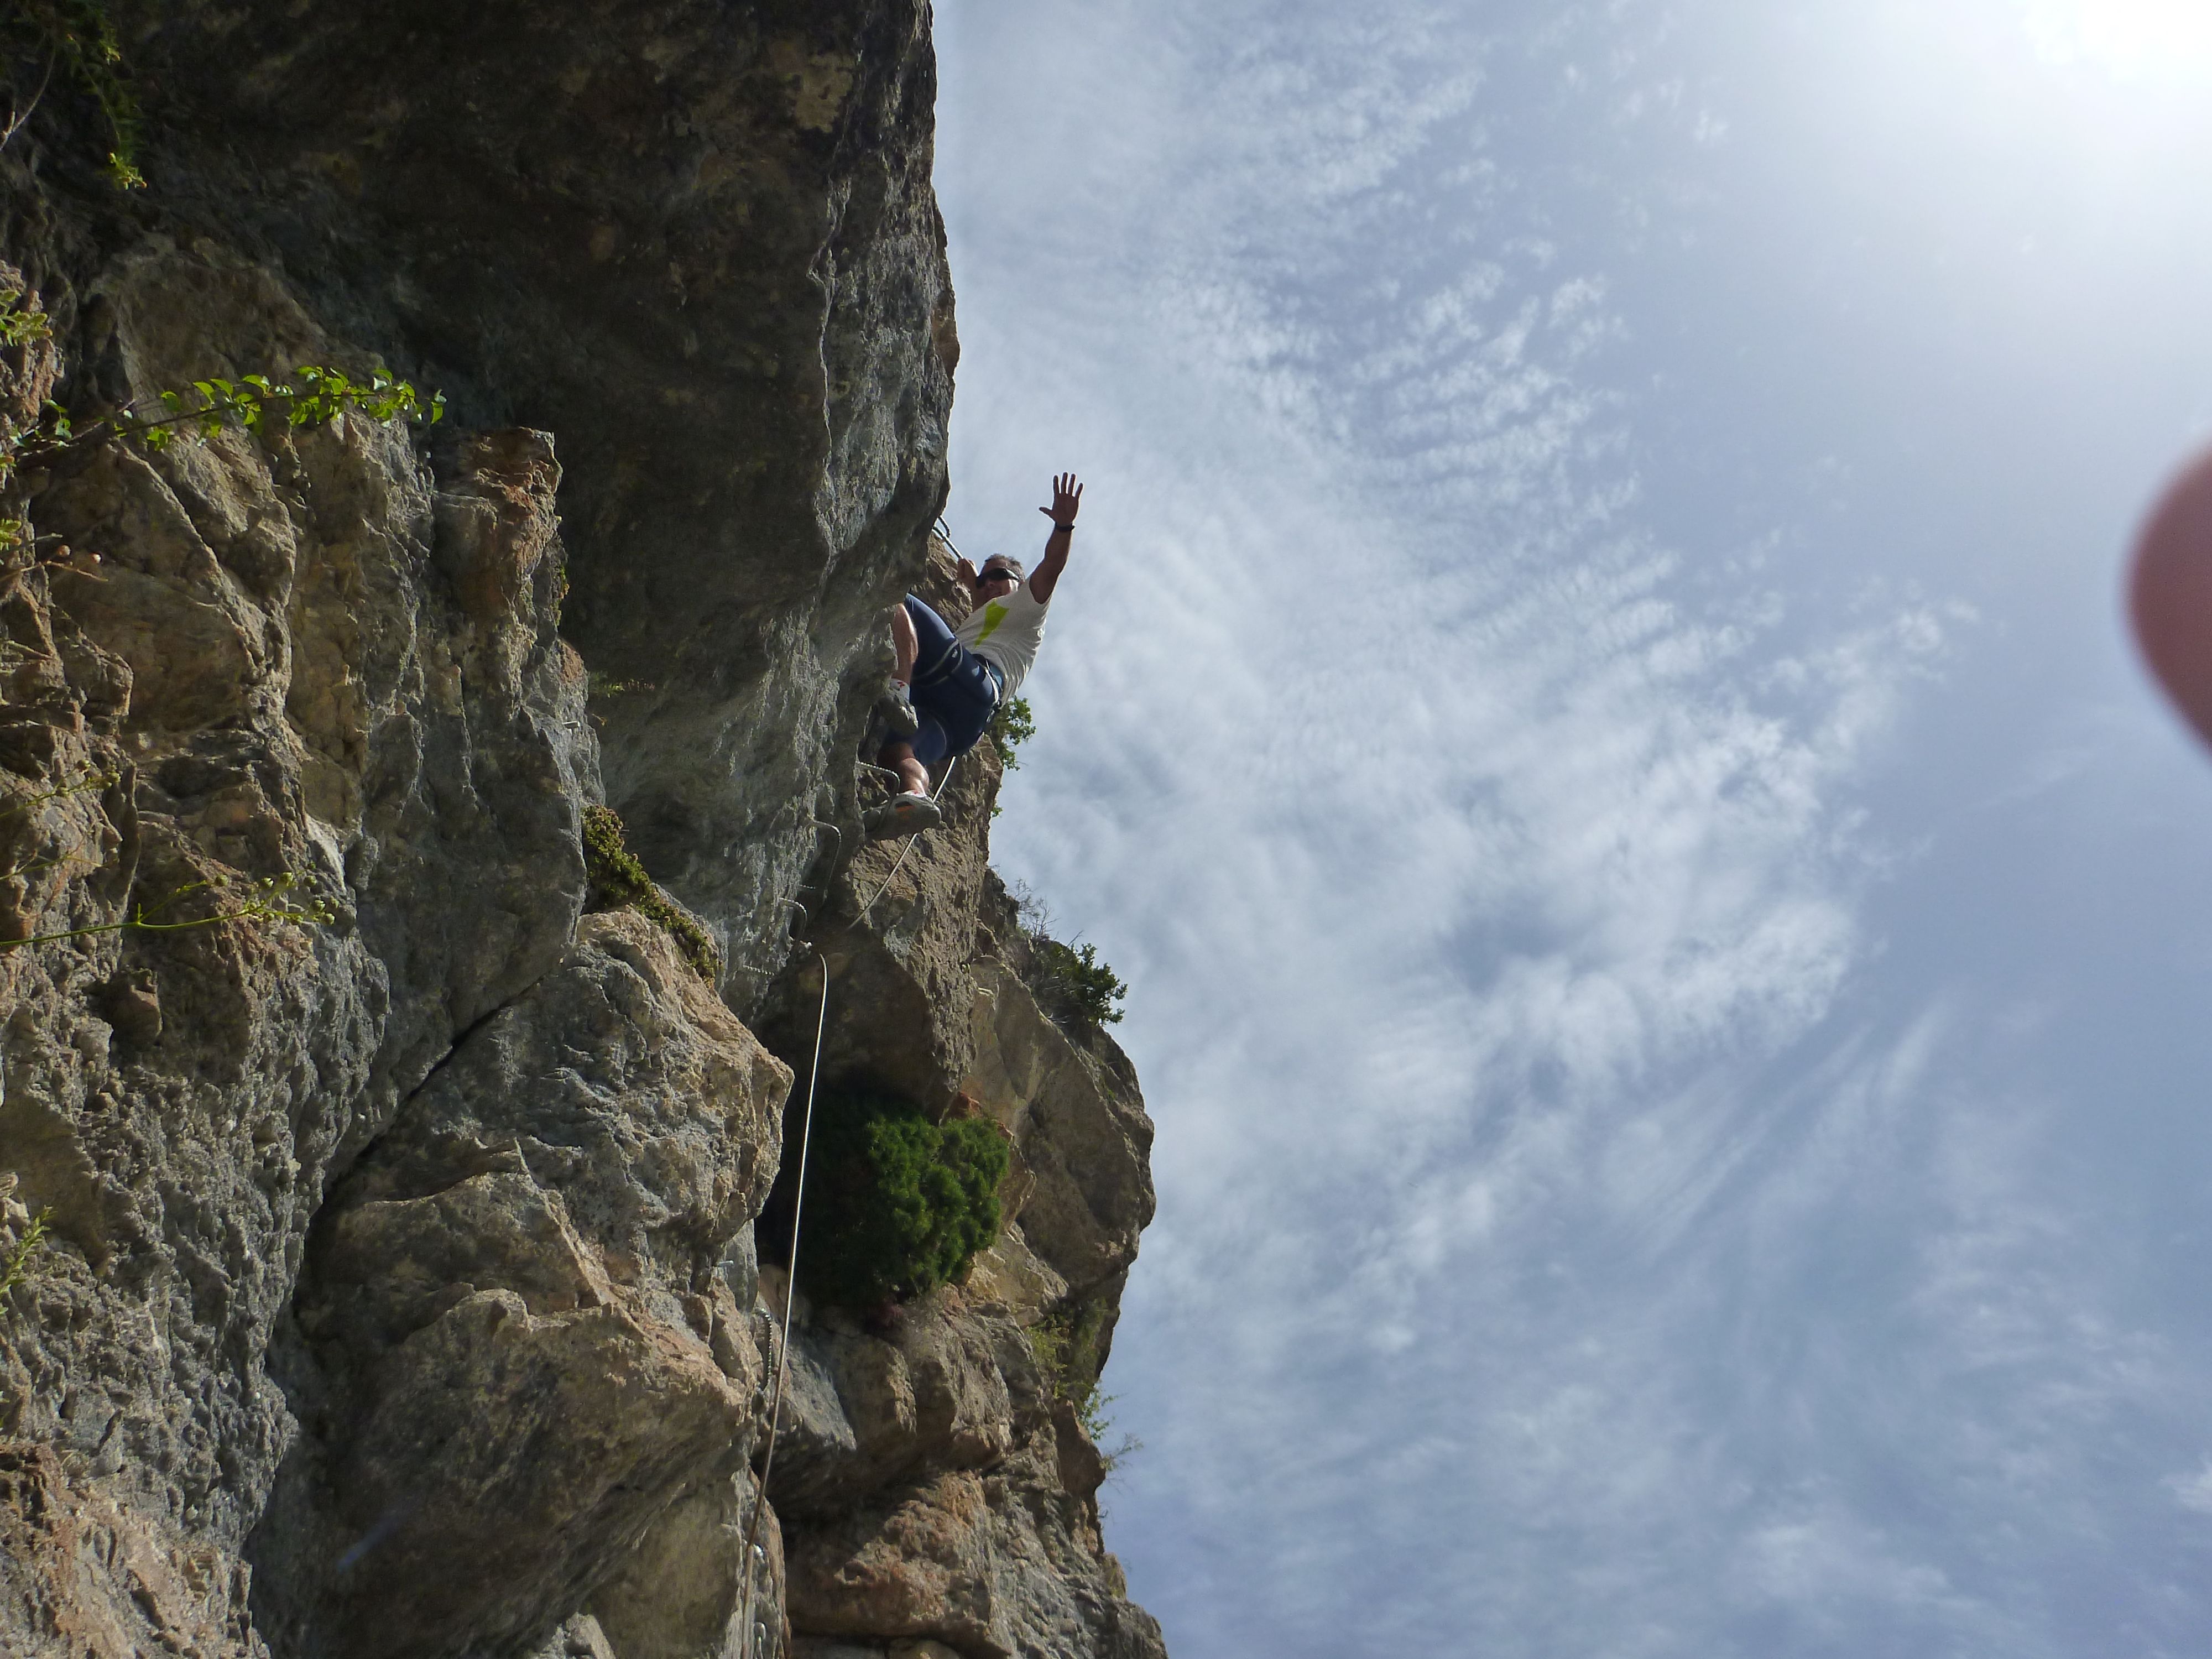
pixel 1568 1242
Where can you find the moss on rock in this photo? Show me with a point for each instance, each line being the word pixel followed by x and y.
pixel 618 879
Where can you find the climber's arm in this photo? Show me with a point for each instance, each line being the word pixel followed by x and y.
pixel 1067 497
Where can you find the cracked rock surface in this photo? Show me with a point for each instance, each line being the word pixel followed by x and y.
pixel 386 1211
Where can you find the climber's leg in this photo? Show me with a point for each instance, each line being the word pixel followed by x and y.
pixel 904 645
pixel 952 691
pixel 922 645
pixel 900 757
pixel 911 809
pixel 930 641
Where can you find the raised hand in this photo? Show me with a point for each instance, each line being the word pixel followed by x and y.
pixel 1067 497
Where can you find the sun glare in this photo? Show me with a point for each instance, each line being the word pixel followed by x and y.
pixel 2127 40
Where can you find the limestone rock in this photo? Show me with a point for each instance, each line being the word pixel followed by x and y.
pixel 503 1310
pixel 996 1564
pixel 81 1574
pixel 862 1411
pixel 579 1638
pixel 169 761
pixel 400 1293
pixel 682 1593
pixel 935 1484
pixel 1072 1106
pixel 703 247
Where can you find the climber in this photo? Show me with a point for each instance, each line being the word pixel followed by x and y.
pixel 954 679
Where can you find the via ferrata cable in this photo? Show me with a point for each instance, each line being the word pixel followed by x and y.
pixel 755 1557
pixel 904 850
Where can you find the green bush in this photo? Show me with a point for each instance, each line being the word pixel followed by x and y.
pixel 1013 724
pixel 1075 984
pixel 895 1205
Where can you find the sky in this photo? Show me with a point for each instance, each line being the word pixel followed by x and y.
pixel 1668 934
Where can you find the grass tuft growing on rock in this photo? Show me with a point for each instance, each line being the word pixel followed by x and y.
pixel 618 879
pixel 895 1205
pixel 17 1266
pixel 265 899
pixel 1067 1343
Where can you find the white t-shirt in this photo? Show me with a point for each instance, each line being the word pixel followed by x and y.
pixel 1006 633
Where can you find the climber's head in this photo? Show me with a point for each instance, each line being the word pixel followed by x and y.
pixel 999 577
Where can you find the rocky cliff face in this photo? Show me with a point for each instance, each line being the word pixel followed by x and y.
pixel 398 1291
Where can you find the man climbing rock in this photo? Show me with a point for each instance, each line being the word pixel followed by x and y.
pixel 955 680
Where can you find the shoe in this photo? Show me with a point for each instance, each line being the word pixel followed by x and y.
pixel 896 712
pixel 902 815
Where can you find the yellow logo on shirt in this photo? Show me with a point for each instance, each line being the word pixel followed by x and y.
pixel 993 614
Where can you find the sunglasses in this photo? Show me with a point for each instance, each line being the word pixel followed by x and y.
pixel 995 573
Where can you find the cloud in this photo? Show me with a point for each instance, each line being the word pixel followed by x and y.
pixel 1562 1250
pixel 2193 1492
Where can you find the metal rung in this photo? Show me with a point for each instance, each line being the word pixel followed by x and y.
pixel 943 533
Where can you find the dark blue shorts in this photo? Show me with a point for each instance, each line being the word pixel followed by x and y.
pixel 955 691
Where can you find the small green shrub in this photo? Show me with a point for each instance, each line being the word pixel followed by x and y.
pixel 1069 981
pixel 87 779
pixel 1067 1343
pixel 19 1259
pixel 1012 724
pixel 321 395
pixel 1029 907
pixel 618 879
pixel 895 1205
pixel 21 323
pixel 1092 1410
pixel 77 34
pixel 264 898
pixel 1075 984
